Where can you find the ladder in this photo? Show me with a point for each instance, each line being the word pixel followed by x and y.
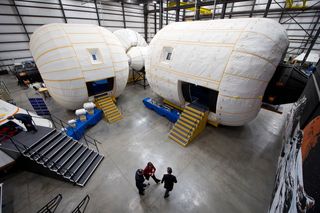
pixel 190 124
pixel 109 108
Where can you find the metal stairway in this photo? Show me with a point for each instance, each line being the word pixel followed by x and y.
pixel 109 108
pixel 190 124
pixel 62 155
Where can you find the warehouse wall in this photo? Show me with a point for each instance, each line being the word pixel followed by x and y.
pixel 299 39
pixel 14 43
pixel 153 20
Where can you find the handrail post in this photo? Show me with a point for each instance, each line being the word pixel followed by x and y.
pixel 15 145
pixel 51 118
pixel 61 123
pixel 95 143
pixel 84 137
pixel 34 123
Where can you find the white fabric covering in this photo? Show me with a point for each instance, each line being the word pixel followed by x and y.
pixel 69 55
pixel 137 57
pixel 134 45
pixel 236 57
pixel 130 38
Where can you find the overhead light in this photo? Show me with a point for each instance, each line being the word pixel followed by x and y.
pixel 154 2
pixel 141 4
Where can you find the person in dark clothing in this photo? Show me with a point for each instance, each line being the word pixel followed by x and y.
pixel 140 181
pixel 169 181
pixel 149 171
pixel 26 120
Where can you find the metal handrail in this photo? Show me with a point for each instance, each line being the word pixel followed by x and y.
pixel 16 142
pixel 52 205
pixel 84 135
pixel 84 203
pixel 63 124
pixel 68 125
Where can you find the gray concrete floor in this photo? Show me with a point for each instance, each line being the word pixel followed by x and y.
pixel 226 169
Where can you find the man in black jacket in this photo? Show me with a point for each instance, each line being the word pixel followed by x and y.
pixel 26 120
pixel 139 181
pixel 169 181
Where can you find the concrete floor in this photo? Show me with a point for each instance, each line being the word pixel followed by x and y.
pixel 226 169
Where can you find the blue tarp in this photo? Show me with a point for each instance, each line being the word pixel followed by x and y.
pixel 171 114
pixel 78 131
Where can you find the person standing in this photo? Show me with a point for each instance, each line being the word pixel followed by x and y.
pixel 26 120
pixel 140 181
pixel 169 181
pixel 149 171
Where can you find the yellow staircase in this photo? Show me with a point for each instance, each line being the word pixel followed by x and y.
pixel 109 108
pixel 191 123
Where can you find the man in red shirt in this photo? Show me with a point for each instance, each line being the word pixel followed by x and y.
pixel 149 171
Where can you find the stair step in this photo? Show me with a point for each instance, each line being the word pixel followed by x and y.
pixel 115 118
pixel 183 133
pixel 63 145
pixel 105 104
pixel 39 141
pixel 108 102
pixel 45 143
pixel 72 159
pixel 78 174
pixel 109 107
pixel 194 119
pixel 105 100
pixel 115 110
pixel 58 140
pixel 192 114
pixel 115 114
pixel 80 163
pixel 177 135
pixel 186 125
pixel 65 155
pixel 179 126
pixel 102 97
pixel 88 173
pixel 194 110
pixel 177 140
pixel 187 121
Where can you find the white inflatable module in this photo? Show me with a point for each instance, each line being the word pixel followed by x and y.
pixel 224 64
pixel 137 57
pixel 130 38
pixel 135 47
pixel 79 60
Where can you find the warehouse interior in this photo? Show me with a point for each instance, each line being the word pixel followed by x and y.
pixel 135 81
